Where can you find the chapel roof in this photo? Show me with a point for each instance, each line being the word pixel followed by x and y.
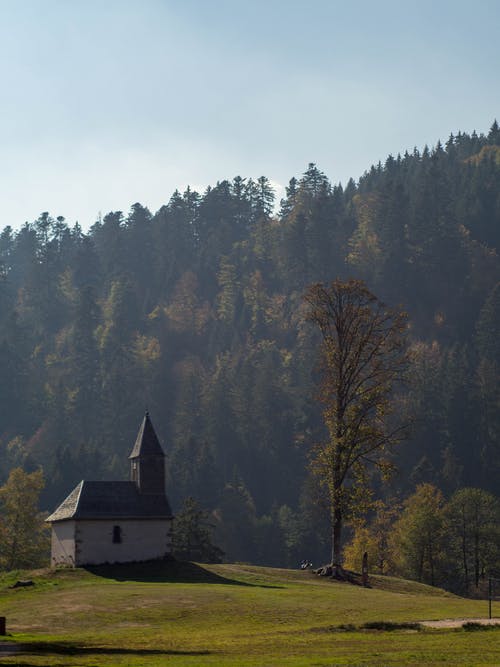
pixel 111 500
pixel 147 443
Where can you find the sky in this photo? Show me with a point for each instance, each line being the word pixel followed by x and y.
pixel 104 103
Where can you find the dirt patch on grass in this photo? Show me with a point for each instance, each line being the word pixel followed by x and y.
pixel 459 622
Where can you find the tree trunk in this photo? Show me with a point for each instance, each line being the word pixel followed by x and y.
pixel 430 545
pixel 476 558
pixel 337 542
pixel 464 553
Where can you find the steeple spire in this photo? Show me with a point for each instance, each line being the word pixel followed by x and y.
pixel 147 465
pixel 147 443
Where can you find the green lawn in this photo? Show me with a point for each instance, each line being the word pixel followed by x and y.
pixel 180 615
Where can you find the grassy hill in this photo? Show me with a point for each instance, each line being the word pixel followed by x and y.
pixel 185 614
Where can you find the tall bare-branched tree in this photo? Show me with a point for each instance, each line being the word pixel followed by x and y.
pixel 363 354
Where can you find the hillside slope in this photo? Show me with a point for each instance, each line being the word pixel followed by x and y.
pixel 232 615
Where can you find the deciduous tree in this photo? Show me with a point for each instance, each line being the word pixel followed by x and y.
pixel 23 535
pixel 473 518
pixel 419 534
pixel 362 356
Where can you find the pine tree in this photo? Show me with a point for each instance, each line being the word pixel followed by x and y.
pixel 494 134
pixel 193 535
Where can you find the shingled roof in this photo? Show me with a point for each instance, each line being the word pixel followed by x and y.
pixel 111 500
pixel 147 443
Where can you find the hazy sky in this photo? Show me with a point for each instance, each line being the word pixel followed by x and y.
pixel 108 102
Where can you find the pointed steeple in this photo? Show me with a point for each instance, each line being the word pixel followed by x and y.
pixel 147 443
pixel 147 464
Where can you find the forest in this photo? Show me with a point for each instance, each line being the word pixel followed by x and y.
pixel 196 313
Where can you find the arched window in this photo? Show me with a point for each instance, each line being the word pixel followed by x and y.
pixel 117 534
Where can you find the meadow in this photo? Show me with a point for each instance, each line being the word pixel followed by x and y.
pixel 154 614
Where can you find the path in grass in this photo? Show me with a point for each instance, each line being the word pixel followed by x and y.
pixel 460 622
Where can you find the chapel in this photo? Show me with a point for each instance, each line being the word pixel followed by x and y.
pixel 117 522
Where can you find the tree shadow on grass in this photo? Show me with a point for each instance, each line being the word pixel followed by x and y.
pixel 23 650
pixel 72 648
pixel 166 571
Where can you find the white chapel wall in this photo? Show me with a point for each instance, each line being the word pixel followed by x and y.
pixel 141 539
pixel 63 543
